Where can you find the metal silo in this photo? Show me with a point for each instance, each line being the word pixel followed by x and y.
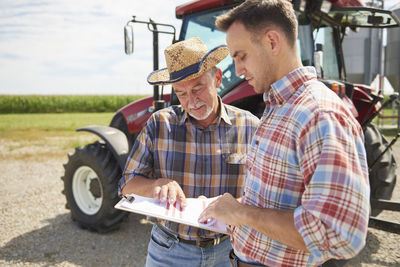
pixel 392 58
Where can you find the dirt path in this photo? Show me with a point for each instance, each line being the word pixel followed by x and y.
pixel 36 229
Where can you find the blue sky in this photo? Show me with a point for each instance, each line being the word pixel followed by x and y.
pixel 76 46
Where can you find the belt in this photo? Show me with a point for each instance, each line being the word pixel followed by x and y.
pixel 235 261
pixel 204 243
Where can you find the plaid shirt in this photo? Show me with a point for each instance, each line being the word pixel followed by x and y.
pixel 204 161
pixel 307 156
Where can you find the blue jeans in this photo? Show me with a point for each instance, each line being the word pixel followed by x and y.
pixel 164 251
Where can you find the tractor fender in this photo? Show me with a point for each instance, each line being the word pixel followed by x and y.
pixel 115 140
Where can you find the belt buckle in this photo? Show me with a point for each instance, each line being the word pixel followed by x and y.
pixel 198 243
pixel 207 243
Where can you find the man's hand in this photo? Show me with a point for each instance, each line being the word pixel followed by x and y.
pixel 167 189
pixel 276 224
pixel 225 209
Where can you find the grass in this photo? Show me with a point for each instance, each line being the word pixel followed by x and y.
pixel 36 126
pixel 388 126
pixel 64 103
pixel 389 133
pixel 33 136
pixel 63 122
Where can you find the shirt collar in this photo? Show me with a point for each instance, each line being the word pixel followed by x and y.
pixel 281 90
pixel 222 115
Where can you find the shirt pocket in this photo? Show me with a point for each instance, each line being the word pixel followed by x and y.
pixel 235 158
pixel 234 169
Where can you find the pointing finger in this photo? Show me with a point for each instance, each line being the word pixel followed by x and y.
pixel 181 197
pixel 164 193
pixel 205 215
pixel 156 192
pixel 171 195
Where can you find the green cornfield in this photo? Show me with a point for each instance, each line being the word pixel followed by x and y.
pixel 64 103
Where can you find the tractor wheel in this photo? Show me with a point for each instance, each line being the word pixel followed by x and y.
pixel 382 177
pixel 91 188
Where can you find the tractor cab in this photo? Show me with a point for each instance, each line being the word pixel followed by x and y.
pixel 322 28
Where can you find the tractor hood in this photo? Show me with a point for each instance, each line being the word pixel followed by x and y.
pixel 201 5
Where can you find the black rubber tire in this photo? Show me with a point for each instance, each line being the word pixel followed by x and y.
pixel 98 158
pixel 382 177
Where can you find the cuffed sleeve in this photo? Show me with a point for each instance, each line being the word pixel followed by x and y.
pixel 334 211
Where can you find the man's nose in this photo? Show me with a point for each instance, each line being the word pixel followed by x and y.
pixel 239 70
pixel 192 98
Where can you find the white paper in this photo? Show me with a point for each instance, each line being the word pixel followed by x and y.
pixel 189 215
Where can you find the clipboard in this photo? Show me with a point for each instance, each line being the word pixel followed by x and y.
pixel 155 208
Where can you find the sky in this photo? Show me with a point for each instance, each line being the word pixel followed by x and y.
pixel 77 46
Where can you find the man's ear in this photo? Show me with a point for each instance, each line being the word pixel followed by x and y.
pixel 218 78
pixel 273 41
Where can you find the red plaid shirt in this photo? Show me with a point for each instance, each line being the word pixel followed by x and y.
pixel 308 156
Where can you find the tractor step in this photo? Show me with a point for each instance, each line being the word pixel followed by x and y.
pixel 384 204
pixel 384 225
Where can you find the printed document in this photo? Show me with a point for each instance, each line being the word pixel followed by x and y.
pixel 188 215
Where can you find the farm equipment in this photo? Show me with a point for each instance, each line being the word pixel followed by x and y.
pixel 92 172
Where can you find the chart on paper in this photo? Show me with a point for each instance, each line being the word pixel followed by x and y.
pixel 188 215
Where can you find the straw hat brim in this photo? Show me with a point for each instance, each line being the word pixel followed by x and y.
pixel 211 59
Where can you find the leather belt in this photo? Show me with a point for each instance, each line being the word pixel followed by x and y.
pixel 203 243
pixel 235 261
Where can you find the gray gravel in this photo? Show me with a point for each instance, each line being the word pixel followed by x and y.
pixel 36 229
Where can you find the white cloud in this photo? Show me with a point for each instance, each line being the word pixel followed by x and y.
pixel 71 47
pixel 390 4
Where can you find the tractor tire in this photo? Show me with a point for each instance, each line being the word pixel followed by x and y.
pixel 382 176
pixel 91 188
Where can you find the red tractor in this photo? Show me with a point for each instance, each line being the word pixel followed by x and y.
pixel 92 172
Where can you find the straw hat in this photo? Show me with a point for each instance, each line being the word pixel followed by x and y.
pixel 187 60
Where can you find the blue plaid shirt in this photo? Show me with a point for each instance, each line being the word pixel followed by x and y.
pixel 204 161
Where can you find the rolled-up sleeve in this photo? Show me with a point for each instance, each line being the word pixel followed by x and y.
pixel 334 211
pixel 140 160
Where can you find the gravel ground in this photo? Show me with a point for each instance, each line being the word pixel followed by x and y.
pixel 36 229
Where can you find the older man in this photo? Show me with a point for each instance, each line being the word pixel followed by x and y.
pixel 306 196
pixel 195 149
